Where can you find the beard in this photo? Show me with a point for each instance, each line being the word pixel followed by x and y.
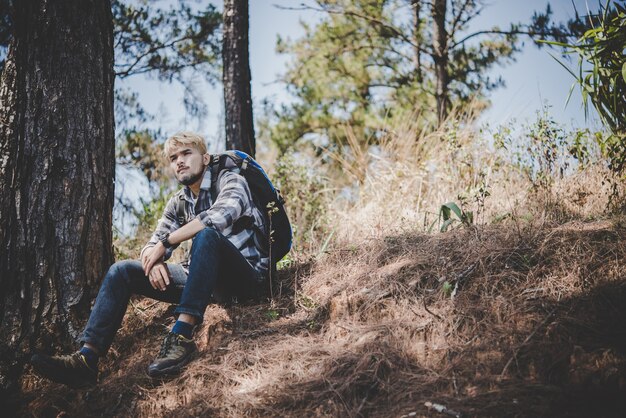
pixel 189 179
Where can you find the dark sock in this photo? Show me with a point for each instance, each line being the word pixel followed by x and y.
pixel 183 328
pixel 91 357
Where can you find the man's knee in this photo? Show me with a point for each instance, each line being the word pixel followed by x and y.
pixel 208 233
pixel 123 270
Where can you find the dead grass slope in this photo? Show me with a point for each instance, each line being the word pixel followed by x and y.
pixel 502 320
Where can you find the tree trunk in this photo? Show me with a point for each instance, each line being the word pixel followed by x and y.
pixel 237 95
pixel 56 175
pixel 440 57
pixel 416 5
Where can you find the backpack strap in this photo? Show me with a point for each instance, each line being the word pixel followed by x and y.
pixel 180 211
pixel 215 172
pixel 217 165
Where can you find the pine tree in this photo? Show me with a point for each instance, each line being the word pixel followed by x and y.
pixel 368 63
pixel 56 174
pixel 239 123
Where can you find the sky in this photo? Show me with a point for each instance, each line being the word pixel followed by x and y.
pixel 536 77
pixel 534 80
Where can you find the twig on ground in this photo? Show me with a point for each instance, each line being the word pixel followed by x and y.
pixel 429 311
pixel 141 310
pixel 442 409
pixel 461 278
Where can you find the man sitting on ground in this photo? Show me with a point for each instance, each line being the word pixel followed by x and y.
pixel 224 255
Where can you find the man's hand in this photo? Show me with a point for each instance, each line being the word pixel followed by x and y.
pixel 151 257
pixel 145 254
pixel 159 276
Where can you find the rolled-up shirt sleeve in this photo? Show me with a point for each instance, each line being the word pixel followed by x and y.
pixel 167 223
pixel 233 201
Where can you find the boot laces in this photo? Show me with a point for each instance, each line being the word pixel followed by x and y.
pixel 71 360
pixel 167 344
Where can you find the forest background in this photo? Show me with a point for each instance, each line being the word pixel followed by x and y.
pixel 529 79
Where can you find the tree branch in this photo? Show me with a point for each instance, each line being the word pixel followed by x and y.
pixel 531 34
pixel 457 18
pixel 378 22
pixel 128 71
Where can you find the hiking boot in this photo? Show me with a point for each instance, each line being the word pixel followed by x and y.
pixel 71 370
pixel 176 351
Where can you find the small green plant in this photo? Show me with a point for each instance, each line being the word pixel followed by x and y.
pixel 286 262
pixel 306 302
pixel 446 211
pixel 447 288
pixel 272 314
pixel 476 194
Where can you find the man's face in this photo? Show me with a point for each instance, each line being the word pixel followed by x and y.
pixel 188 164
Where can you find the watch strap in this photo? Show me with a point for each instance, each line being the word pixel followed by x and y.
pixel 165 240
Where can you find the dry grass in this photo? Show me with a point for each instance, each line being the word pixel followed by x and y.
pixel 404 184
pixel 533 330
pixel 522 316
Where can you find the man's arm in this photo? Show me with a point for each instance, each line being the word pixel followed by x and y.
pixel 168 223
pixel 153 255
pixel 233 201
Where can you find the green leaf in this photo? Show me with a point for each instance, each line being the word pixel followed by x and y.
pixel 432 225
pixel 446 224
pixel 569 94
pixel 624 71
pixel 554 43
pixel 564 66
pixel 445 212
pixel 455 208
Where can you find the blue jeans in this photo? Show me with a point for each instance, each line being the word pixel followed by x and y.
pixel 216 266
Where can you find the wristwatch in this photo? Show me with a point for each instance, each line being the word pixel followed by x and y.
pixel 165 240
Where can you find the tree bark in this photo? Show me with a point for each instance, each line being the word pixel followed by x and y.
pixel 56 175
pixel 440 58
pixel 416 5
pixel 239 123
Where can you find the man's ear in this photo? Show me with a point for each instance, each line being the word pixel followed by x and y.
pixel 206 159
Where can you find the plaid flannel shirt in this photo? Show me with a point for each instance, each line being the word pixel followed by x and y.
pixel 233 201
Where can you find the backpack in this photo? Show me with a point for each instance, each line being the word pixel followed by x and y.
pixel 265 197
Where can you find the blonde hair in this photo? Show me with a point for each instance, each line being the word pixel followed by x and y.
pixel 184 138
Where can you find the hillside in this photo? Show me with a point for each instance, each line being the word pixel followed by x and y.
pixel 509 319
